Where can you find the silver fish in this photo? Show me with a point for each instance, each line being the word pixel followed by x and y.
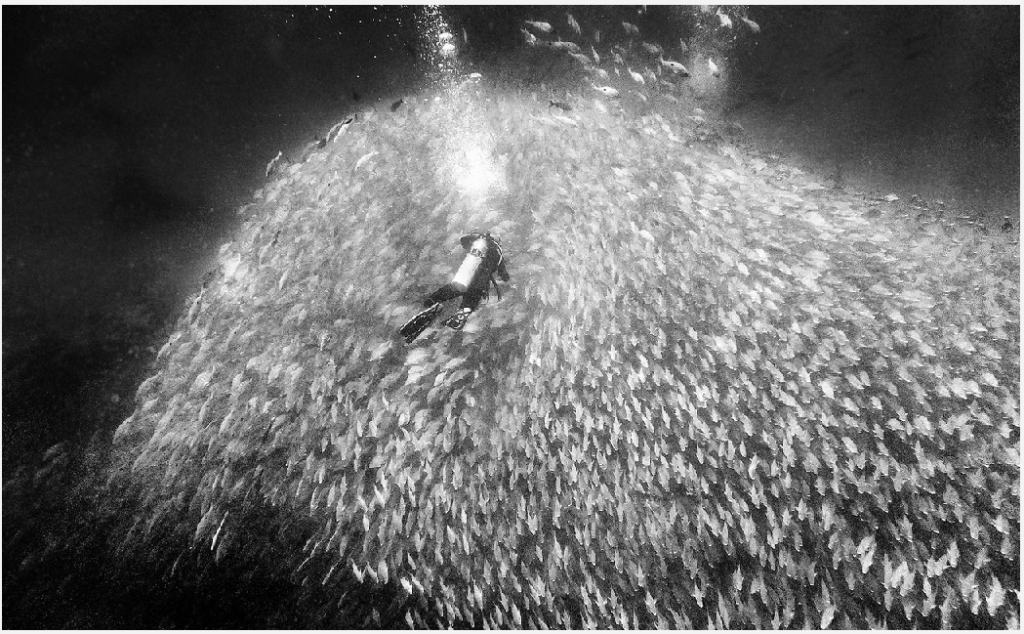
pixel 653 49
pixel 582 59
pixel 675 67
pixel 607 91
pixel 573 24
pixel 631 29
pixel 597 58
pixel 572 47
pixel 750 23
pixel 540 26
pixel 531 39
pixel 273 163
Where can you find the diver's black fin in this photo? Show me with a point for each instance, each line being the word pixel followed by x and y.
pixel 415 326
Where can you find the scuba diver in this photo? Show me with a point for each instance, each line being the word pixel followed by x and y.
pixel 472 282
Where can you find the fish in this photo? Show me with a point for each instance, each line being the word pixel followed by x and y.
pixel 561 106
pixel 750 23
pixel 675 67
pixel 540 26
pixel 713 67
pixel 650 76
pixel 308 150
pixel 597 36
pixel 572 47
pixel 601 73
pixel 273 163
pixel 582 59
pixel 565 120
pixel 683 48
pixel 474 78
pixel 465 36
pixel 631 29
pixel 531 39
pixel 637 77
pixel 618 59
pixel 724 19
pixel 448 49
pixel 607 91
pixel 445 37
pixel 653 49
pixel 397 105
pixel 573 24
pixel 597 58
pixel 338 128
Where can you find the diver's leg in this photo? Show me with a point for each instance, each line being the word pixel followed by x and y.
pixel 471 300
pixel 469 303
pixel 451 290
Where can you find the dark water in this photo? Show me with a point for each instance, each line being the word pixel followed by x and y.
pixel 921 100
pixel 131 135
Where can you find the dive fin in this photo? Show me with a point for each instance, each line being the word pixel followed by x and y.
pixel 415 326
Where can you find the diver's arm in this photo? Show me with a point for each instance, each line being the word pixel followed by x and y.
pixel 502 271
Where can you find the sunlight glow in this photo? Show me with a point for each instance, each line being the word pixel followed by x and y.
pixel 476 173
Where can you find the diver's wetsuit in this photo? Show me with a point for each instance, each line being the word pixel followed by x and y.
pixel 472 281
